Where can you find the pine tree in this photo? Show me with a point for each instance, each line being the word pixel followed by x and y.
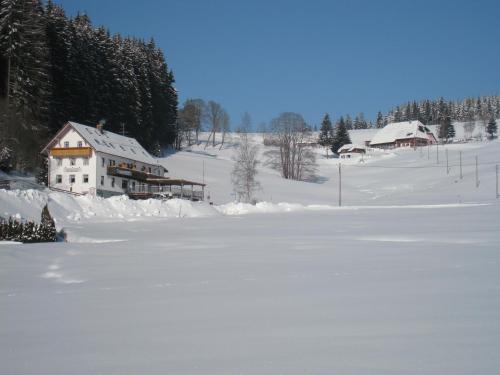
pixel 23 44
pixel 360 122
pixel 446 128
pixel 326 133
pixel 42 176
pixel 348 122
pixel 6 158
pixel 379 124
pixel 491 129
pixel 47 226
pixel 341 136
pixel 450 132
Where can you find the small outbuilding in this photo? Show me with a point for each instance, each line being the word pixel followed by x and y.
pixel 350 150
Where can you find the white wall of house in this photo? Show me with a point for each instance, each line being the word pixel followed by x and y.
pixel 90 175
pixel 114 184
pixel 72 174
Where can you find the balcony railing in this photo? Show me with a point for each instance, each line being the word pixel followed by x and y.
pixel 165 191
pixel 71 152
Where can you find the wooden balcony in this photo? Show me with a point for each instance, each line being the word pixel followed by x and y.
pixel 134 174
pixel 71 152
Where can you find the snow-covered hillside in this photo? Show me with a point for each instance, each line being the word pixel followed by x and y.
pixel 400 176
pixel 403 278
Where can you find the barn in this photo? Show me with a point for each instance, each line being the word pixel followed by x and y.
pixel 403 134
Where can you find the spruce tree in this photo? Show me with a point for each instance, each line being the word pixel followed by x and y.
pixel 348 122
pixel 326 133
pixel 341 136
pixel 450 131
pixel 491 129
pixel 47 226
pixel 380 120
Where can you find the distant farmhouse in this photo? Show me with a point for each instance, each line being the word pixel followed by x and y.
pixel 90 160
pixel 403 134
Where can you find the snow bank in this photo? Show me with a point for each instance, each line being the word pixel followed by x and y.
pixel 22 204
pixel 28 204
pixel 122 208
pixel 235 208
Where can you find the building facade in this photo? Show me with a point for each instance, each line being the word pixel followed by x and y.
pixel 90 160
pixel 403 134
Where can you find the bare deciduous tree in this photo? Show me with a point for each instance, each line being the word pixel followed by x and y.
pixel 225 126
pixel 215 117
pixel 190 120
pixel 293 155
pixel 469 127
pixel 245 168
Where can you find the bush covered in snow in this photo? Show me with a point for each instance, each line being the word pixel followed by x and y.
pixel 29 231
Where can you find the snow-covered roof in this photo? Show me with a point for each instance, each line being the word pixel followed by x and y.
pixel 114 144
pixel 400 130
pixel 351 147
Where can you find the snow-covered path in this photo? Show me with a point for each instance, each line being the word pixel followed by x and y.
pixel 357 291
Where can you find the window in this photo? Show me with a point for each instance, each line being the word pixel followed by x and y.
pixel 58 178
pixel 112 182
pixel 59 162
pixel 96 141
pixel 72 179
pixel 85 178
pixel 124 184
pixel 111 163
pixel 123 148
pixel 85 161
pixel 133 151
pixel 102 180
pixel 149 169
pixel 66 144
pixel 103 162
pixel 112 146
pixel 79 144
pixel 72 161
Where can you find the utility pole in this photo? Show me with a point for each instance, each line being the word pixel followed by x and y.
pixel 477 174
pixel 496 172
pixel 340 185
pixel 447 165
pixel 461 175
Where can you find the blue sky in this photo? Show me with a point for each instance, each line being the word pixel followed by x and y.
pixel 312 57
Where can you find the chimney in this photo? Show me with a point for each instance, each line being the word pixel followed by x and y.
pixel 100 126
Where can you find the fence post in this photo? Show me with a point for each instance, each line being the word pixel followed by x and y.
pixel 496 173
pixel 340 185
pixel 447 165
pixel 477 174
pixel 461 175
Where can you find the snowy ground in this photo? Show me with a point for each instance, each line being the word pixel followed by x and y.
pixel 403 279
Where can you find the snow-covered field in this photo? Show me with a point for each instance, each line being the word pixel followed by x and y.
pixel 404 278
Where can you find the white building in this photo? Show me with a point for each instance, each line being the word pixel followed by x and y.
pixel 350 150
pixel 403 134
pixel 91 160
